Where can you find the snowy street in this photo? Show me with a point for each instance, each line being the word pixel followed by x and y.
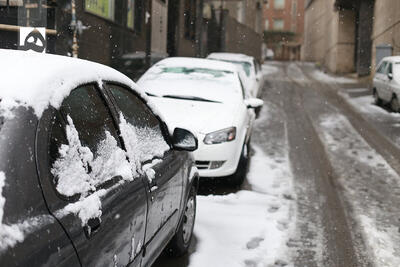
pixel 322 183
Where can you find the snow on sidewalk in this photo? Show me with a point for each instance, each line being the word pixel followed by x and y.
pixel 327 78
pixel 370 186
pixel 249 228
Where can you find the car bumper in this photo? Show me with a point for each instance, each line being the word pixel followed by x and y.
pixel 217 160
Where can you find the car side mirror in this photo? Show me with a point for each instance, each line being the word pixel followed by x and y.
pixel 184 140
pixel 390 76
pixel 253 103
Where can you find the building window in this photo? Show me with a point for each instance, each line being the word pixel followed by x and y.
pixel 266 25
pixel 102 8
pixel 190 19
pixel 279 24
pixel 279 4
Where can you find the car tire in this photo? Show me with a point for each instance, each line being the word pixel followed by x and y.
pixel 180 243
pixel 394 104
pixel 238 177
pixel 377 99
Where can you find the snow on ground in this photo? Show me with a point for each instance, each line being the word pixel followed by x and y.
pixel 268 69
pixel 295 73
pixel 327 78
pixel 370 187
pixel 249 228
pixel 366 105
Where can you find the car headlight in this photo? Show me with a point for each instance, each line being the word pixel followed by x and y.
pixel 221 136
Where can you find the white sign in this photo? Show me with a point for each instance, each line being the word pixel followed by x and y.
pixel 32 39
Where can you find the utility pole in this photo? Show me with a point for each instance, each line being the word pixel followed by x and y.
pixel 148 32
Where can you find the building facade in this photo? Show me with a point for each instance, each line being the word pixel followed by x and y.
pixel 284 27
pixel 339 34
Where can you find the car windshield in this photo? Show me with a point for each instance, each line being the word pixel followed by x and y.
pixel 246 66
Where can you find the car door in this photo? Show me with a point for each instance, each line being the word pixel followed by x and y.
pixel 380 80
pixel 162 165
pixel 106 220
pixel 389 83
pixel 250 113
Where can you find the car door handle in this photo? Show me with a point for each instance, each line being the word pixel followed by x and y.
pixel 91 227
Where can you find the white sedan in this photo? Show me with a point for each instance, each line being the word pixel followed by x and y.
pixel 386 83
pixel 208 97
pixel 253 77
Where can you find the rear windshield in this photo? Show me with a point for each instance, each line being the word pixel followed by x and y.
pixel 194 71
pixel 246 66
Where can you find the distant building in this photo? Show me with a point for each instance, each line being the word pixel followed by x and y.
pixel 236 25
pixel 284 28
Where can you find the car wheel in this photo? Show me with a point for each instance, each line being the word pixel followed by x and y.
pixel 180 243
pixel 238 177
pixel 394 104
pixel 377 99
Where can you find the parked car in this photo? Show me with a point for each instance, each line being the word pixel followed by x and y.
pixel 134 65
pixel 207 97
pixel 254 79
pixel 386 82
pixel 90 174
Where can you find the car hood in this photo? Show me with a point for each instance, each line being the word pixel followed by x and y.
pixel 196 116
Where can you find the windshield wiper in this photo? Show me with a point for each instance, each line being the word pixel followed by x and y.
pixel 194 98
pixel 149 94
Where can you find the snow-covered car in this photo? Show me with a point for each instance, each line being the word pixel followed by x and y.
pixel 386 83
pixel 254 79
pixel 207 97
pixel 90 175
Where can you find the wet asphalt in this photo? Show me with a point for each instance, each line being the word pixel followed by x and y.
pixel 326 232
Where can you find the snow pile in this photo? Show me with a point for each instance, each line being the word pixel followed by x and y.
pixel 142 144
pixel 72 167
pixel 366 105
pixel 250 228
pixel 326 78
pixel 79 171
pixel 86 208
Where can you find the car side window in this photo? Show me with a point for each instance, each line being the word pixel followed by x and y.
pixel 84 149
pixel 382 67
pixel 140 128
pixel 89 114
pixel 389 69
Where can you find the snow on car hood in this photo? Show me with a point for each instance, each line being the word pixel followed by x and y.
pixel 196 116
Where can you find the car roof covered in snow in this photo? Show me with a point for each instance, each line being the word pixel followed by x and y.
pixel 38 80
pixel 190 62
pixel 231 56
pixel 392 59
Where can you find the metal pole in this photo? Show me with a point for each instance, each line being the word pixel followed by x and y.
pixel 148 32
pixel 199 28
pixel 75 46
